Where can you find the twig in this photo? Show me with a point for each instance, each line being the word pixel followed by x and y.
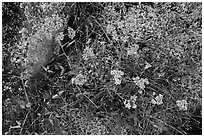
pixel 68 59
pixel 88 98
pixel 27 98
pixel 103 31
pixel 90 101
pixel 34 121
pixel 24 123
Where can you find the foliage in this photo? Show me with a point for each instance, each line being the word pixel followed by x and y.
pixel 103 68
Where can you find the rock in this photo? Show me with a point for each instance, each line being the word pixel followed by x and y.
pixel 39 53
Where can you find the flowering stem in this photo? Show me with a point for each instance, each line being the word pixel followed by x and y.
pixel 68 59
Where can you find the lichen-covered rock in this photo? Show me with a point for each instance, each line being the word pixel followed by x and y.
pixel 40 51
pixel 41 42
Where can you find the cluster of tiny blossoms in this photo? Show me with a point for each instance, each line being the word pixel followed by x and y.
pixel 71 32
pixel 133 50
pixel 52 24
pixel 60 37
pixel 117 76
pixel 88 53
pixel 135 22
pixel 80 79
pixel 147 66
pixel 140 82
pixel 182 104
pixel 131 103
pixel 49 20
pixel 157 100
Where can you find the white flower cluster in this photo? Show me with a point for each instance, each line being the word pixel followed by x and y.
pixel 133 50
pixel 71 32
pixel 79 80
pixel 88 52
pixel 140 82
pixel 157 100
pixel 136 22
pixel 117 76
pixel 19 56
pixel 110 28
pixel 182 104
pixel 147 66
pixel 60 36
pixel 45 16
pixel 54 7
pixel 50 25
pixel 131 103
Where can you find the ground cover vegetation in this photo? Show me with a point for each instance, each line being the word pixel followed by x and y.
pixel 102 68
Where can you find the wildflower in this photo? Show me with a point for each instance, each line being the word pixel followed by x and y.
pixel 127 104
pixel 110 28
pixel 133 50
pixel 88 52
pixel 136 80
pixel 71 32
pixel 140 82
pixel 131 103
pixel 133 98
pixel 117 81
pixel 60 36
pixel 140 91
pixel 145 81
pixel 115 35
pixel 52 24
pixel 147 65
pixel 117 72
pixel 117 76
pixel 134 106
pixel 182 104
pixel 79 80
pixel 157 100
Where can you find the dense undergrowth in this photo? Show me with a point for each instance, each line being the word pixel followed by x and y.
pixel 102 68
